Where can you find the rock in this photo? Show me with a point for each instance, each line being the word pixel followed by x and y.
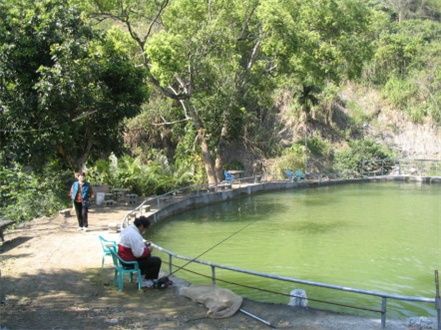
pixel 421 322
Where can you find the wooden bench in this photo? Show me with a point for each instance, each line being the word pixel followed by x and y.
pixel 3 225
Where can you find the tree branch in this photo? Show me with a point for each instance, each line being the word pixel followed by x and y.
pixel 165 123
pixel 253 55
pixel 161 9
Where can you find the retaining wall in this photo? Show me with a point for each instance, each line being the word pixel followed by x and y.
pixel 200 199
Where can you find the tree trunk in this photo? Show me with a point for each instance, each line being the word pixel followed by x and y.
pixel 75 162
pixel 207 159
pixel 219 160
pixel 218 167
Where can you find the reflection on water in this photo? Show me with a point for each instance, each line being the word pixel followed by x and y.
pixel 384 237
pixel 315 227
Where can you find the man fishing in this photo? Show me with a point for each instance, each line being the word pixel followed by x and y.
pixel 132 247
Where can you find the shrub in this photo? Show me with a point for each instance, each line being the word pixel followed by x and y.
pixel 154 176
pixel 26 195
pixel 317 145
pixel 351 161
pixel 234 165
pixel 293 158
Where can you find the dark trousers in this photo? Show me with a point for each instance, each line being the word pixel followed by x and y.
pixel 81 212
pixel 150 267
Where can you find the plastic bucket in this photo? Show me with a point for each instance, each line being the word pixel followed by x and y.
pixel 100 198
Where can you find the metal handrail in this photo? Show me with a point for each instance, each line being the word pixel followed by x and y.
pixel 383 295
pixel 296 280
pixel 157 200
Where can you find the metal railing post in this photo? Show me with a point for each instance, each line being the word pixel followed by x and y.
pixel 438 311
pixel 437 300
pixel 383 312
pixel 170 264
pixel 213 275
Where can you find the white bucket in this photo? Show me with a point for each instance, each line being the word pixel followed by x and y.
pixel 100 198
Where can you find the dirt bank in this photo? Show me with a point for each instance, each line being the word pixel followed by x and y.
pixel 51 278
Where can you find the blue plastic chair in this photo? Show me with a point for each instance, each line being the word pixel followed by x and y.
pixel 228 177
pixel 289 174
pixel 125 267
pixel 299 175
pixel 107 246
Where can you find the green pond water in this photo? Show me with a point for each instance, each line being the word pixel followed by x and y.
pixel 377 236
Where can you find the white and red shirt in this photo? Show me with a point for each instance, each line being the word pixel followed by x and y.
pixel 131 245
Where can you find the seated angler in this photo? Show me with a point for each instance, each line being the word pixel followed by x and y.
pixel 132 247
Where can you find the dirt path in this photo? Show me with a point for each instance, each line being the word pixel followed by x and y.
pixel 51 278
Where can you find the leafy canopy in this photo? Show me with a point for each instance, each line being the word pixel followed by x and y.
pixel 65 88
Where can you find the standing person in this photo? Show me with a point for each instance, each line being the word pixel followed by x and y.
pixel 132 247
pixel 80 193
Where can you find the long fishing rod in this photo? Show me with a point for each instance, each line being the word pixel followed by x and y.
pixel 210 248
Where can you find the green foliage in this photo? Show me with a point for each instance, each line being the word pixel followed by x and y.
pixel 317 146
pixel 65 87
pixel 406 66
pixel 350 161
pixel 71 89
pixel 316 41
pixel 402 48
pixel 187 160
pixel 25 195
pixel 156 176
pixel 292 158
pixel 418 93
pixel 234 165
pixel 166 52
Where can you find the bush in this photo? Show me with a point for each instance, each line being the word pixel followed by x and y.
pixel 350 161
pixel 234 165
pixel 26 195
pixel 155 176
pixel 293 158
pixel 406 67
pixel 317 145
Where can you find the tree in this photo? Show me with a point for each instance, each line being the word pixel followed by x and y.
pixel 200 54
pixel 315 42
pixel 405 9
pixel 219 59
pixel 65 88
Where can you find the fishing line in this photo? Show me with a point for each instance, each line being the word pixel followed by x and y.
pixel 211 248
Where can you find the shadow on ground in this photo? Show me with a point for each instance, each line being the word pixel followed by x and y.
pixel 13 243
pixel 88 300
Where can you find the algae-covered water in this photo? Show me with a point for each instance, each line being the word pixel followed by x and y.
pixel 383 236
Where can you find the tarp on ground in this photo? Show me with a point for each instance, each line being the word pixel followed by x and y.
pixel 221 303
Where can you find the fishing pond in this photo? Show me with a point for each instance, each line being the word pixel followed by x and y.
pixel 372 236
